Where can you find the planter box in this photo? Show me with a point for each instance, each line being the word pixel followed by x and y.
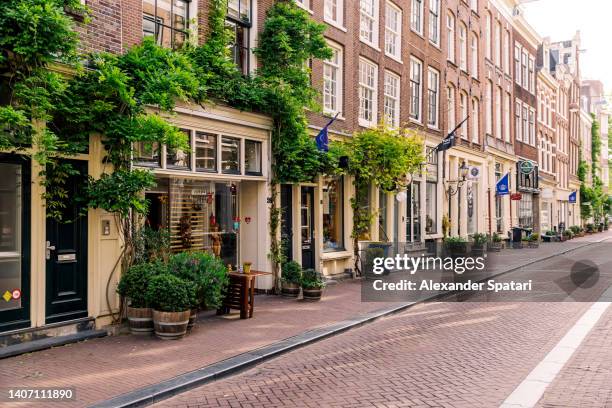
pixel 171 325
pixel 290 289
pixel 312 294
pixel 140 320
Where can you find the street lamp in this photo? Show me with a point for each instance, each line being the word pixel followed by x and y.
pixel 463 173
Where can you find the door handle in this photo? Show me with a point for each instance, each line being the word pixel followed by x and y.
pixel 48 250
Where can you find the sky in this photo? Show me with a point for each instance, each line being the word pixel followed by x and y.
pixel 559 20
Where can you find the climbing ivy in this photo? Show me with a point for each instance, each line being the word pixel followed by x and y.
pixel 382 157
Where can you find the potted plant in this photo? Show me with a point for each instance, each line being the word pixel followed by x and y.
pixel 291 278
pixel 457 246
pixel 133 287
pixel 496 242
pixel 479 243
pixel 590 228
pixel 207 272
pixel 549 236
pixel 567 235
pixel 172 299
pixel 533 240
pixel 312 284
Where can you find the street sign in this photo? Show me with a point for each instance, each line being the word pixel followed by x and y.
pixel 516 197
pixel 526 167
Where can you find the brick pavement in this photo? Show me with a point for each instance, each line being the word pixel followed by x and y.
pixel 586 380
pixel 104 368
pixel 434 355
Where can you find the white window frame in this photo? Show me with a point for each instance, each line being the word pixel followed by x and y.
pixel 416 21
pixel 365 18
pixel 498 113
pixel 371 87
pixel 474 5
pixel 517 64
pixel 393 35
pixel 418 115
pixel 450 36
pixel 475 120
pixel 434 16
pixel 305 4
pixel 463 46
pixel 498 43
pixel 531 69
pixel 433 86
pixel 518 121
pixel 507 117
pixel 525 69
pixel 489 108
pixel 474 50
pixel 392 94
pixel 488 33
pixel 339 5
pixel 339 88
pixel 451 114
pixel 463 108
pixel 507 52
pixel 532 127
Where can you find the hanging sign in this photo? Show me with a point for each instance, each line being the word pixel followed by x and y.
pixel 516 197
pixel 526 167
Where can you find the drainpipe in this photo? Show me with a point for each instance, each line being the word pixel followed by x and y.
pixel 490 213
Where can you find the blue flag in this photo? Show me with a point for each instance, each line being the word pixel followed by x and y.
pixel 322 138
pixel 503 185
pixel 572 198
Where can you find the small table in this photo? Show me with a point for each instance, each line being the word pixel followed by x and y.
pixel 241 293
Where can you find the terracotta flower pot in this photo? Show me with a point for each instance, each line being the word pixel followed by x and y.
pixel 289 289
pixel 140 320
pixel 170 325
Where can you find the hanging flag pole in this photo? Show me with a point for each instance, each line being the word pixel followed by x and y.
pixel 448 141
pixel 322 138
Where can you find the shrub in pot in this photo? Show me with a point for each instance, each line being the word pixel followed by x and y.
pixel 534 240
pixel 207 272
pixel 133 286
pixel 312 284
pixel 496 242
pixel 479 242
pixel 291 278
pixel 457 246
pixel 568 234
pixel 172 299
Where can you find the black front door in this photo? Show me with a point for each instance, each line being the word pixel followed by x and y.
pixel 14 242
pixel 287 221
pixel 66 255
pixel 307 226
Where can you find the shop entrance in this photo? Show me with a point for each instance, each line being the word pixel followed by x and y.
pixel 14 242
pixel 66 255
pixel 307 227
pixel 413 213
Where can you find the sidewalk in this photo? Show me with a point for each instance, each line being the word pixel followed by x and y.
pixel 104 368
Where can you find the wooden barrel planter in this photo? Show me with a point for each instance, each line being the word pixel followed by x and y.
pixel 290 289
pixel 312 294
pixel 192 319
pixel 171 325
pixel 140 320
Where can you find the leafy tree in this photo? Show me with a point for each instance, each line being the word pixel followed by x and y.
pixel 383 157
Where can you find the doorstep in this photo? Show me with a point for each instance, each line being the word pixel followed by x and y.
pixel 30 339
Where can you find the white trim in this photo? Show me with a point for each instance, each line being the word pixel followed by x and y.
pixel 373 88
pixel 397 32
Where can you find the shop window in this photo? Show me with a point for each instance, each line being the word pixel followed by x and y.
pixel 177 158
pixel 206 152
pixel 333 214
pixel 230 155
pixel 147 154
pixel 252 157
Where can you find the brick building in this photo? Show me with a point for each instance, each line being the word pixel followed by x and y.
pixel 525 45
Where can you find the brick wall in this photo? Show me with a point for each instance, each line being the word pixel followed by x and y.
pixel 103 33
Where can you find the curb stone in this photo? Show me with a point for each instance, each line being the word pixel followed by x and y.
pixel 213 372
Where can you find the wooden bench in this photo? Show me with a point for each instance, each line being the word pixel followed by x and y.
pixel 240 293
